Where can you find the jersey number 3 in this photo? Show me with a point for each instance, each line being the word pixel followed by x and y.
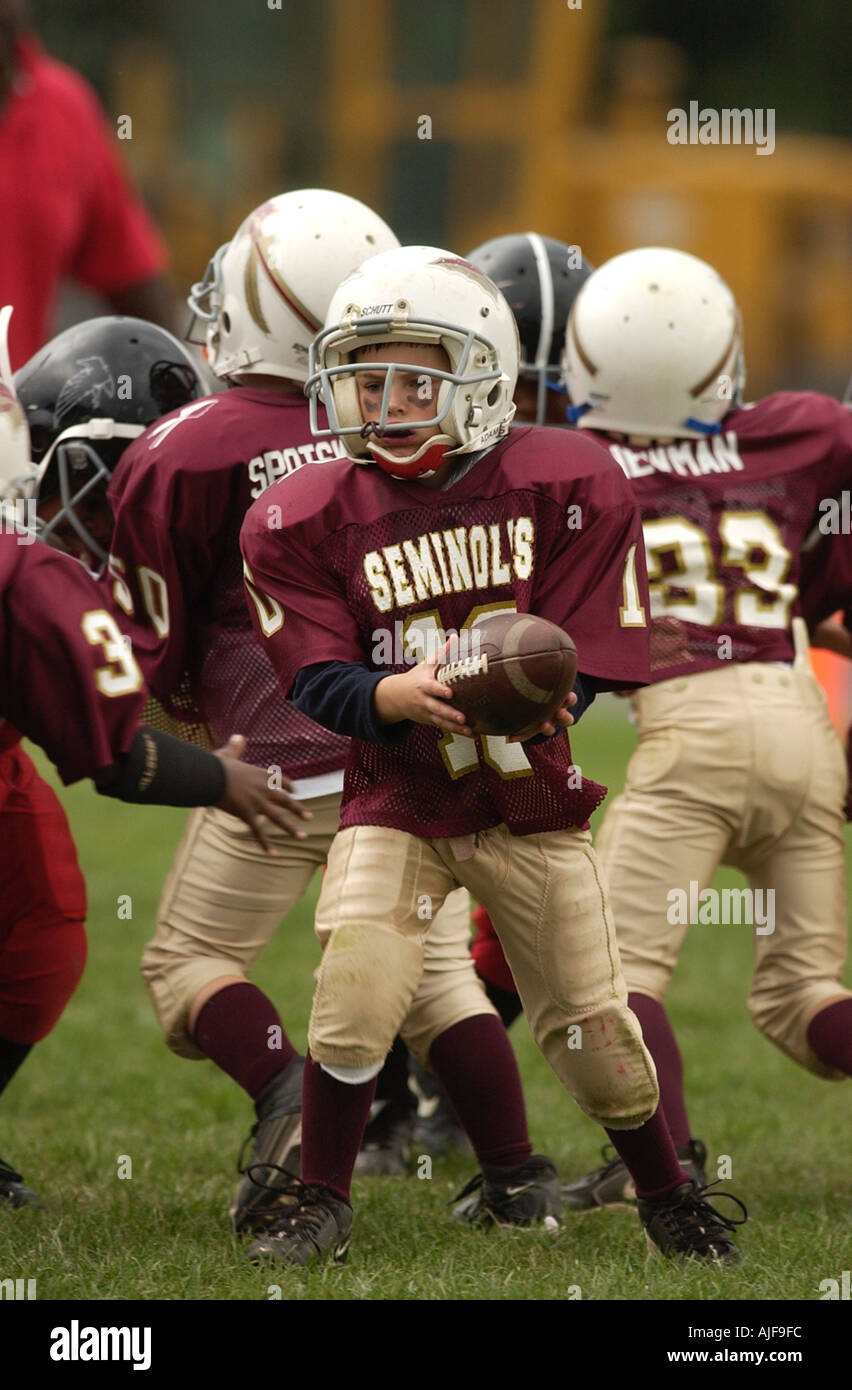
pixel 121 675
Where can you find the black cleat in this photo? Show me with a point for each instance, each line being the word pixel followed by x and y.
pixel 275 1155
pixel 684 1223
pixel 312 1224
pixel 13 1189
pixel 520 1196
pixel 436 1129
pixel 386 1145
pixel 612 1185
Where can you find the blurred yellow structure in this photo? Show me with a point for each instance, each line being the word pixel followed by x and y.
pixel 778 227
pixel 528 149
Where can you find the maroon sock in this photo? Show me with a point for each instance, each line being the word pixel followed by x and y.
pixel 334 1115
pixel 475 1063
pixel 830 1035
pixel 662 1045
pixel 649 1156
pixel 235 1029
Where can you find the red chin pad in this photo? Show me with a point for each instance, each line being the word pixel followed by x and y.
pixel 429 462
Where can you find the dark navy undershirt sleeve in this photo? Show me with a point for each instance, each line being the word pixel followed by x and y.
pixel 585 688
pixel 339 696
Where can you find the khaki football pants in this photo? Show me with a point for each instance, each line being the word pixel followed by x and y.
pixel 224 899
pixel 739 766
pixel 545 898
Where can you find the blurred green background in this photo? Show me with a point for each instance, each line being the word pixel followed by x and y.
pixel 543 116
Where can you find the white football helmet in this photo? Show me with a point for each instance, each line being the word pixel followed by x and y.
pixel 17 472
pixel 265 293
pixel 418 295
pixel 654 347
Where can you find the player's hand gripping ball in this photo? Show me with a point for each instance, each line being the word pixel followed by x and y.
pixel 510 673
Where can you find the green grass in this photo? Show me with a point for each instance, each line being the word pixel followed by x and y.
pixel 103 1085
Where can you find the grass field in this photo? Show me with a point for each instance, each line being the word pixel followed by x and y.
pixel 103 1086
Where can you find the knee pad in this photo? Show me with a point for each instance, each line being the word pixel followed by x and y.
pixel 366 982
pixel 605 1065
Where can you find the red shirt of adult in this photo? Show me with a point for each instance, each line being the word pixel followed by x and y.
pixel 68 207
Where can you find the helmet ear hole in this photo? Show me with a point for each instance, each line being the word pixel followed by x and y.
pixel 226 321
pixel 494 394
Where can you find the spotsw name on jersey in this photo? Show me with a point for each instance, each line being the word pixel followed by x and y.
pixel 450 561
pixel 264 469
pixel 687 458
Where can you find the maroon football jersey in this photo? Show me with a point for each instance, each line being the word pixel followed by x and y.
pixel 178 496
pixel 67 678
pixel 348 564
pixel 827 563
pixel 827 579
pixel 724 519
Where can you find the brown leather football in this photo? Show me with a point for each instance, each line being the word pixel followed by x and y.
pixel 510 673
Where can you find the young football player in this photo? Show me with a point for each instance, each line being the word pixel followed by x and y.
pixel 437 516
pixel 176 501
pixel 737 762
pixel 540 278
pixel 70 684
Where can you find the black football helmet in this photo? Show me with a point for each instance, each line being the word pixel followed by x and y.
pixel 85 395
pixel 541 278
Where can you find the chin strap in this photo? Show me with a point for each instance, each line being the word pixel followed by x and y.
pixel 576 412
pixel 429 461
pixel 701 428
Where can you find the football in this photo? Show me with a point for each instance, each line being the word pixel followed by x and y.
pixel 510 673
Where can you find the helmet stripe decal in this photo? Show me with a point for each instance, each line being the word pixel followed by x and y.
pixel 581 352
pixel 251 290
pixel 545 285
pixel 285 293
pixel 715 370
